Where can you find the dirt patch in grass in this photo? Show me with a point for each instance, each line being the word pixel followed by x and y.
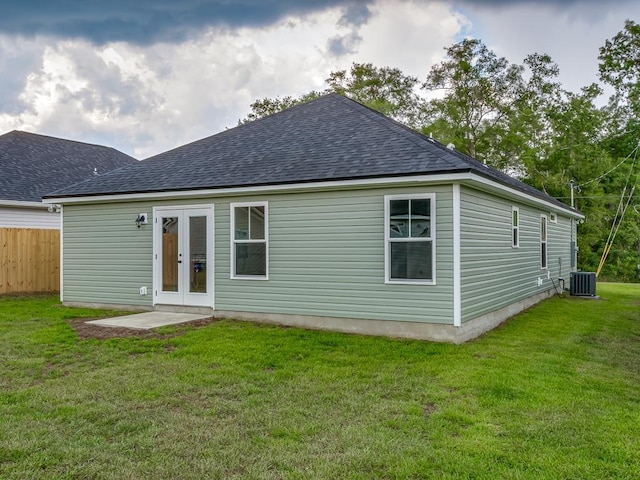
pixel 91 331
pixel 429 409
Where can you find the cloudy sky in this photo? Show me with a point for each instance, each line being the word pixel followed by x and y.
pixel 145 76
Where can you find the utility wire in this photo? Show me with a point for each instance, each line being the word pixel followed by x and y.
pixel 622 209
pixel 614 168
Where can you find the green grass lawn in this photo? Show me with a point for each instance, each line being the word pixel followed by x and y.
pixel 554 393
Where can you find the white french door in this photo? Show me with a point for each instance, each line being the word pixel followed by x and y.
pixel 183 256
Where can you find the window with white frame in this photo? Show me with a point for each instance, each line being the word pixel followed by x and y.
pixel 515 227
pixel 249 240
pixel 543 241
pixel 553 218
pixel 410 238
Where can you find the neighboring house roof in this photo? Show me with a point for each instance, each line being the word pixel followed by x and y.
pixel 33 165
pixel 328 139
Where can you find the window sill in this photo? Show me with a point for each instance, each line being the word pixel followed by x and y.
pixel 409 282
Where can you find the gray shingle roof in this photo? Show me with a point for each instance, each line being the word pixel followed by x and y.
pixel 34 165
pixel 330 138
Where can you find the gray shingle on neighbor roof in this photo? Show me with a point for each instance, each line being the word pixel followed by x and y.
pixel 33 165
pixel 330 138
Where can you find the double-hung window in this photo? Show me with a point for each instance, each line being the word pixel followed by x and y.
pixel 410 238
pixel 249 240
pixel 543 241
pixel 515 227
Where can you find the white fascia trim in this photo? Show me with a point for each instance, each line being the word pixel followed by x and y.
pixel 19 204
pixel 265 189
pixel 315 186
pixel 457 298
pixel 518 194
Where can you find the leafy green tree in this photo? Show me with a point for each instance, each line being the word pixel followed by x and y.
pixel 573 129
pixel 474 91
pixel 269 106
pixel 384 89
pixel 620 67
pixel 574 151
pixel 522 138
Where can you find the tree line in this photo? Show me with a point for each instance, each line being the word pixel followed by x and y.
pixel 518 118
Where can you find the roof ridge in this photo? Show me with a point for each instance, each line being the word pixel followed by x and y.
pixel 331 137
pixel 67 140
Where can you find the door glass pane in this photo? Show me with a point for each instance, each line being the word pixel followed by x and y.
pixel 170 254
pixel 198 254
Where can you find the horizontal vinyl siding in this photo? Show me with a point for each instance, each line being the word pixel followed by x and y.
pixel 493 273
pixel 11 217
pixel 559 248
pixel 106 258
pixel 326 258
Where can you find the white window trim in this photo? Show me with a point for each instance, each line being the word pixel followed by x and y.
pixel 457 280
pixel 388 241
pixel 515 228
pixel 233 241
pixel 61 253
pixel 544 241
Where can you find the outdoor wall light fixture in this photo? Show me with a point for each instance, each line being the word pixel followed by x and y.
pixel 141 219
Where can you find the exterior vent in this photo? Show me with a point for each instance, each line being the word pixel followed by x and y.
pixel 583 284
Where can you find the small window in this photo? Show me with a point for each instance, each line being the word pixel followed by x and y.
pixel 543 241
pixel 553 218
pixel 249 240
pixel 410 239
pixel 515 227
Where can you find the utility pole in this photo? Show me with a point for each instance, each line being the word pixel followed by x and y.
pixel 572 187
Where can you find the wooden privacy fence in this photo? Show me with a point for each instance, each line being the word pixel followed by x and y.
pixel 29 260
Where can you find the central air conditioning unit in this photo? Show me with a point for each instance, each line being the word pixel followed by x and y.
pixel 583 284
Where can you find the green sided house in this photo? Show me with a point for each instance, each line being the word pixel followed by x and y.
pixel 327 215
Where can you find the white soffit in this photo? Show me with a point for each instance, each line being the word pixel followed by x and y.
pixel 467 178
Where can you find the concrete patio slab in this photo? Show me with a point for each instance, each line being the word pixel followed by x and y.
pixel 148 320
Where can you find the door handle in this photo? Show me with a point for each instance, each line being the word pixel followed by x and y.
pixel 179 258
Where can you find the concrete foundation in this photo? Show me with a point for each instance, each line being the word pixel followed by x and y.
pixel 110 306
pixel 415 330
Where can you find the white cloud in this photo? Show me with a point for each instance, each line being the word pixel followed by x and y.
pixel 572 35
pixel 410 35
pixel 147 99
